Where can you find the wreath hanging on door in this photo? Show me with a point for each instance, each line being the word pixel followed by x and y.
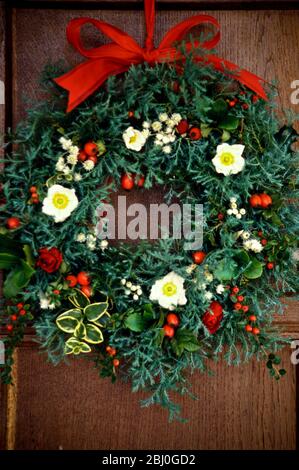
pixel 185 119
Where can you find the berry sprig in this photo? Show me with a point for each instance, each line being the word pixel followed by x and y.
pixel 173 322
pixel 82 279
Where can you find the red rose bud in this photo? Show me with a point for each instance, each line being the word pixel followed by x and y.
pixel 49 259
pixel 182 126
pixel 213 317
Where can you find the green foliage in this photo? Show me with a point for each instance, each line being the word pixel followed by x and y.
pixel 153 362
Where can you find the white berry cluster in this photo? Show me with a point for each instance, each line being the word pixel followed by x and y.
pixel 91 241
pixel 238 213
pixel 164 130
pixel 66 164
pixel 249 242
pixel 131 289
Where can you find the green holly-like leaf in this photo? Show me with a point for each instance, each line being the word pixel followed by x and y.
pixel 226 269
pixel 184 341
pixel 68 321
pixel 95 311
pixel 229 123
pixel 93 334
pixel 218 109
pixel 136 322
pixel 17 279
pixel 254 270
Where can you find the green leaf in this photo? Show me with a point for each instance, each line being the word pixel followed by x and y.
pixel 254 270
pixel 80 300
pixel 184 340
pixel 95 311
pixel 68 321
pixel 226 269
pixel 282 371
pixel 28 255
pixel 74 346
pixel 218 109
pixel 17 279
pixel 229 123
pixel 136 322
pixel 80 330
pixel 10 245
pixel 103 320
pixel 8 260
pixel 93 334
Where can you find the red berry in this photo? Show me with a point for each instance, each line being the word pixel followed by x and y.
pixel 82 156
pixel 260 233
pixel 245 106
pixel 255 330
pixel 266 200
pixel 91 148
pixel 22 312
pixel 13 317
pixel 13 223
pixel 83 278
pixel 264 242
pixel 176 87
pixel 56 291
pixel 237 306
pixel 9 327
pixel 235 290
pixel 112 352
pixel 35 201
pixel 220 216
pixel 245 308
pixel 108 349
pixel 240 298
pixel 168 331
pixel 34 196
pixel 195 133
pixel 232 103
pixel 254 98
pixel 198 257
pixel 127 182
pixel 33 189
pixel 255 200
pixel 72 280
pixel 115 362
pixel 173 320
pixel 140 180
pixel 93 158
pixel 131 114
pixel 182 126
pixel 270 265
pixel 87 290
pixel 248 328
pixel 252 318
pixel 20 305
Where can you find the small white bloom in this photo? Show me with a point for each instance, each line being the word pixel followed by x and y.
pixel 165 139
pixel 245 235
pixel 146 133
pixel 66 170
pixel 159 136
pixel 158 142
pixel 208 295
pixel 146 125
pixel 239 216
pixel 127 292
pixel 123 282
pixel 91 238
pixel 88 165
pixel 129 284
pixel 60 164
pixel 202 285
pixel 253 245
pixel 229 211
pixel 44 303
pixel 60 202
pixel 139 292
pixel 77 177
pixel 51 306
pixel 235 211
pixel 72 159
pixel 242 211
pixel 233 205
pixel 104 244
pixel 91 246
pixel 135 297
pixel 133 288
pixel 65 143
pixel 233 199
pixel 176 117
pixel 169 291
pixel 168 130
pixel 209 276
pixel 156 126
pixel 170 123
pixel 81 238
pixel 134 139
pixel 228 159
pixel 166 149
pixel 295 255
pixel 163 117
pixel 220 289
pixel 191 268
pixel 172 138
pixel 74 150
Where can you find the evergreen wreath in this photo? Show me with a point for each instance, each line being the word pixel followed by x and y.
pixel 153 311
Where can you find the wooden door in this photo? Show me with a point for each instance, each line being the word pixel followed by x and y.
pixel 68 407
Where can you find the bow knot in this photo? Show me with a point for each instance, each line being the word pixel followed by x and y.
pixel 117 56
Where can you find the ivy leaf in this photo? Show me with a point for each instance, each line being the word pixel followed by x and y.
pixel 229 123
pixel 136 322
pixel 68 321
pixel 254 270
pixel 93 334
pixel 95 311
pixel 17 279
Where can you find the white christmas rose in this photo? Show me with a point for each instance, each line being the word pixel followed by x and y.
pixel 169 291
pixel 134 139
pixel 228 159
pixel 60 202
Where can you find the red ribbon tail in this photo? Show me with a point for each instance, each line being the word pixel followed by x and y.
pixel 86 78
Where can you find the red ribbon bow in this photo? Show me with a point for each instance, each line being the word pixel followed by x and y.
pixel 117 57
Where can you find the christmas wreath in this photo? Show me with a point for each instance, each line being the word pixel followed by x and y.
pixel 207 133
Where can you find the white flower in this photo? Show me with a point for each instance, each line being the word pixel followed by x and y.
pixel 176 117
pixel 220 289
pixel 159 136
pixel 77 177
pixel 156 126
pixel 169 291
pixel 229 211
pixel 165 139
pixel 133 288
pixel 202 285
pixel 65 143
pixel 134 139
pixel 172 138
pixel 91 238
pixel 129 284
pixel 88 165
pixel 168 130
pixel 60 202
pixel 191 268
pixel 72 159
pixel 253 245
pixel 66 170
pixel 295 255
pixel 81 238
pixel 233 205
pixel 208 295
pixel 146 133
pixel 239 216
pixel 228 159
pixel 127 292
pixel 139 292
pixel 104 244
pixel 209 276
pixel 166 149
pixel 91 246
pixel 44 303
pixel 242 211
pixel 74 150
pixel 135 297
pixel 163 117
pixel 170 123
pixel 235 211
pixel 233 199
pixel 245 235
pixel 158 142
pixel 123 282
pixel 60 164
pixel 146 125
